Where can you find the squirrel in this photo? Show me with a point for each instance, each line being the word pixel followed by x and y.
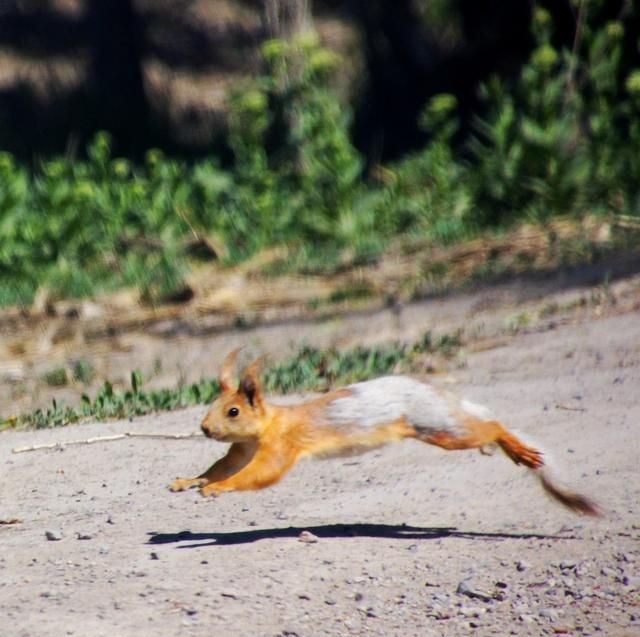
pixel 268 439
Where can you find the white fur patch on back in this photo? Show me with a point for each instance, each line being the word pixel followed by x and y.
pixel 383 400
pixel 479 411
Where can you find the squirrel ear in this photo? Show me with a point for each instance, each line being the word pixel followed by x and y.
pixel 227 381
pixel 250 384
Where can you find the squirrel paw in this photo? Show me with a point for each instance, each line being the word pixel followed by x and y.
pixel 208 490
pixel 181 484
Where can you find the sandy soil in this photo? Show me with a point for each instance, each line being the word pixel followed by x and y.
pixel 411 540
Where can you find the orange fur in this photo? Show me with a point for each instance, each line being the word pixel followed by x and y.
pixel 267 440
pixel 480 433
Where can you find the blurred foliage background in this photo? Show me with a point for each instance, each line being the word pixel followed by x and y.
pixel 141 136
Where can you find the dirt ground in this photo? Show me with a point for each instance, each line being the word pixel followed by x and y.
pixel 409 539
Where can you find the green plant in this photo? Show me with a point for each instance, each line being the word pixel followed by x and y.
pixel 564 138
pixel 56 377
pixel 427 194
pixel 307 185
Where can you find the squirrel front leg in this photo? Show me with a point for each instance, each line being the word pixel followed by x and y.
pixel 238 456
pixel 264 469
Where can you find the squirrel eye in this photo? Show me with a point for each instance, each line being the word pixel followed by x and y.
pixel 233 412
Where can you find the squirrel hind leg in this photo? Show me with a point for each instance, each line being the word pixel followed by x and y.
pixel 475 433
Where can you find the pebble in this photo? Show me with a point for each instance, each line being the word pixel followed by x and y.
pixel 464 589
pixel 608 572
pixel 83 536
pixel 631 580
pixel 581 570
pixel 549 613
pixel 521 565
pixel 439 613
pixel 53 535
pixel 307 537
pixel 229 594
pixel 471 611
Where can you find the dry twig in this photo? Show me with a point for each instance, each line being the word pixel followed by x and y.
pixel 122 436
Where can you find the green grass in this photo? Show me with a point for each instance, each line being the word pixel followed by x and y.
pixel 310 369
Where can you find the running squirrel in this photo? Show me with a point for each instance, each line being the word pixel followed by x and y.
pixel 267 439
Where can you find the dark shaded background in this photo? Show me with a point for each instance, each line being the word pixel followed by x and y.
pixel 156 73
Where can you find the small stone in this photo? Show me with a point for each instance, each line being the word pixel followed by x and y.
pixel 471 611
pixel 307 537
pixel 190 611
pixel 464 589
pixel 53 535
pixel 103 550
pixel 581 569
pixel 229 594
pixel 567 565
pixel 521 565
pixel 330 601
pixel 439 613
pixel 631 580
pixel 83 536
pixel 549 613
pixel 526 618
pixel 153 555
pixel 608 572
pixel 110 519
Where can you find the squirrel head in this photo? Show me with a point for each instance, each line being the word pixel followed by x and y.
pixel 237 415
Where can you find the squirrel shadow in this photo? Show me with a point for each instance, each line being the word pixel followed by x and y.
pixel 327 531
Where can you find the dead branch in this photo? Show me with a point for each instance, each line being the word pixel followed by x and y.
pixel 122 436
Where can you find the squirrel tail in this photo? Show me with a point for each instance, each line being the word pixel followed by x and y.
pixel 577 502
pixel 532 458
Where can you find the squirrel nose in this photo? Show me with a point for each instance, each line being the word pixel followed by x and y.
pixel 205 431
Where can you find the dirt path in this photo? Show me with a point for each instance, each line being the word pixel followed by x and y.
pixel 399 531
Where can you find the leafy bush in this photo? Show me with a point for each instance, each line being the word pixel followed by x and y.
pixel 564 138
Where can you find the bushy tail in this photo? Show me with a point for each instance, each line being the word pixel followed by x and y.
pixel 532 458
pixel 577 502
